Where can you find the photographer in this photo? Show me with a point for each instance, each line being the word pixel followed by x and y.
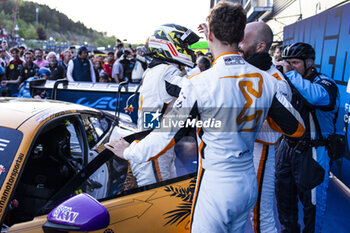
pixel 128 62
pixel 303 165
pixel 140 65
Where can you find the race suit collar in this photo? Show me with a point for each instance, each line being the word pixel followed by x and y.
pixel 262 61
pixel 313 75
pixel 224 54
pixel 156 62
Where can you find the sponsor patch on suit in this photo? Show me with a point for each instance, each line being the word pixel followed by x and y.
pixel 234 60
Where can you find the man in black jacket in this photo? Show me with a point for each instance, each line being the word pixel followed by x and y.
pixel 57 70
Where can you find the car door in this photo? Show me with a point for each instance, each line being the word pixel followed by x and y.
pixel 58 152
pixel 160 207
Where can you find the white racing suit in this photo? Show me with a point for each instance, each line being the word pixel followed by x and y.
pixel 161 85
pixel 231 101
pixel 264 164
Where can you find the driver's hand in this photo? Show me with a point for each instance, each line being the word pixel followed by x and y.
pixel 203 28
pixel 117 146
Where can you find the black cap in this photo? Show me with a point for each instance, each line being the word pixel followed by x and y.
pixel 83 49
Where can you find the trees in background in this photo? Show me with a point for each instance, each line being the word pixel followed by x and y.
pixel 52 23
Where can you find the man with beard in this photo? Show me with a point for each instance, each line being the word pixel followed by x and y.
pixel 254 47
pixel 29 69
pixel 39 61
pixel 57 70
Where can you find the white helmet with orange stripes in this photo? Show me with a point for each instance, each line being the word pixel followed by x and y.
pixel 170 42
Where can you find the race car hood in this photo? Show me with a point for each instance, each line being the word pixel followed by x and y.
pixel 15 111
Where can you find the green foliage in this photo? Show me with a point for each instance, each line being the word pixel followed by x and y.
pixel 105 41
pixel 61 38
pixel 33 44
pixel 54 23
pixel 41 33
pixel 30 32
pixel 5 20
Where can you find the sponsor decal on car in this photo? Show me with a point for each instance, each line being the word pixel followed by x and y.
pixel 183 211
pixel 8 186
pixel 101 103
pixel 2 169
pixel 3 144
pixel 65 214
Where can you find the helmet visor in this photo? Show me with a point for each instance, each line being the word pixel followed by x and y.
pixel 189 37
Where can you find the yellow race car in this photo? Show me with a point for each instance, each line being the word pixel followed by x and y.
pixel 52 150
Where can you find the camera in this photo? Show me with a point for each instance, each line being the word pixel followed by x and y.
pixel 126 53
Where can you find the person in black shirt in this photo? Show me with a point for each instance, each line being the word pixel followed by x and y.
pixel 29 69
pixel 57 70
pixel 12 73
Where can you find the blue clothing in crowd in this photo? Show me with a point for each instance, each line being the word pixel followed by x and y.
pixel 315 95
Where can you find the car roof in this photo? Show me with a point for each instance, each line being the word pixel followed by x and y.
pixel 15 111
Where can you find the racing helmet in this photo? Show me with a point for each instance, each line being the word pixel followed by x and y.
pixel 170 42
pixel 44 72
pixel 299 50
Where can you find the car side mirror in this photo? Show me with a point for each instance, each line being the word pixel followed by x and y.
pixel 79 213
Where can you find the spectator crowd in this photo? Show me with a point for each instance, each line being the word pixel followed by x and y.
pixel 18 64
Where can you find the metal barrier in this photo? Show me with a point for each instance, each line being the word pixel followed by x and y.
pixel 96 95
